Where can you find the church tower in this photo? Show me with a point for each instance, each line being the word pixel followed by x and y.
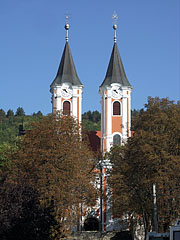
pixel 66 88
pixel 115 94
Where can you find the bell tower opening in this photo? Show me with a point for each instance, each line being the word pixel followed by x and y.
pixel 91 224
pixel 66 108
pixel 67 88
pixel 116 108
pixel 116 140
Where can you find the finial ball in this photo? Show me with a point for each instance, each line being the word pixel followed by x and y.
pixel 66 26
pixel 114 26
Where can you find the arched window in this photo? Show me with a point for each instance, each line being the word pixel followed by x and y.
pixel 66 108
pixel 116 139
pixel 116 108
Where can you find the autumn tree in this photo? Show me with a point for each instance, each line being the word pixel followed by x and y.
pixel 152 155
pixel 57 166
pixel 21 216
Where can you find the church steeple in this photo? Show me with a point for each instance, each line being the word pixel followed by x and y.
pixel 115 93
pixel 115 72
pixel 67 71
pixel 66 88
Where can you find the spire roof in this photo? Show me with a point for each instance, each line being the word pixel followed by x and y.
pixel 66 71
pixel 115 72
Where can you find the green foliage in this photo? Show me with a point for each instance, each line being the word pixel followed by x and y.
pixel 20 111
pixel 5 150
pixel 91 121
pixel 94 116
pixel 2 115
pixel 38 114
pixel 9 124
pixel 10 113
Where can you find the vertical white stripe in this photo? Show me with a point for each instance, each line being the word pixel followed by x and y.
pixel 109 121
pixel 74 106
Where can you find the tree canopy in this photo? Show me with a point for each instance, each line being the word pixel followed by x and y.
pixel 91 120
pixel 10 113
pixel 152 155
pixel 55 167
pixel 20 111
pixel 9 124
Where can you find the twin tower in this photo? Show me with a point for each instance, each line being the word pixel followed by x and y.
pixel 115 93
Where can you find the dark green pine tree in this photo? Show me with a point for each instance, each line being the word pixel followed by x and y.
pixel 20 111
pixel 2 115
pixel 10 113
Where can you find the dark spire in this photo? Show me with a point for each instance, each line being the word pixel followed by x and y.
pixel 115 72
pixel 66 72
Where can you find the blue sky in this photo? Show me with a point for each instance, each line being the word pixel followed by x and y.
pixel 32 39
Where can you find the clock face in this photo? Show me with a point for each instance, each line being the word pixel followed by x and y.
pixel 66 92
pixel 116 92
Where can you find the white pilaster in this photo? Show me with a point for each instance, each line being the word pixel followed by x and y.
pixel 80 105
pixel 109 119
pixel 58 99
pixel 124 117
pixel 74 105
pixel 102 121
pixel 129 113
pixel 52 100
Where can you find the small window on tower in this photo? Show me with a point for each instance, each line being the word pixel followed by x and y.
pixel 66 108
pixel 116 108
pixel 116 139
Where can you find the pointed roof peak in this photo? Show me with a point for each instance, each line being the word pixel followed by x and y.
pixel 115 72
pixel 66 71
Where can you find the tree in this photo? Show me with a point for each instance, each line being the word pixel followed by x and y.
pixel 21 216
pixel 38 114
pixel 92 121
pixel 54 162
pixel 5 151
pixel 2 115
pixel 152 155
pixel 94 116
pixel 20 111
pixel 10 113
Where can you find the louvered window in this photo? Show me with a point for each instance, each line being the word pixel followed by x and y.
pixel 66 108
pixel 116 139
pixel 116 108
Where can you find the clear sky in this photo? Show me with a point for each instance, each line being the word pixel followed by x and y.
pixel 32 39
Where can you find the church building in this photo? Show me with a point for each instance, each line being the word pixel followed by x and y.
pixel 115 92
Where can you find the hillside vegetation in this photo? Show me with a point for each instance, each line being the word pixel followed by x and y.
pixel 10 123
